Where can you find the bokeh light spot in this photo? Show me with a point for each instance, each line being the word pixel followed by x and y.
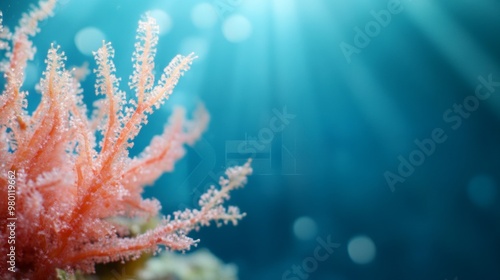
pixel 204 16
pixel 237 28
pixel 482 191
pixel 194 44
pixel 361 249
pixel 163 20
pixel 305 228
pixel 89 39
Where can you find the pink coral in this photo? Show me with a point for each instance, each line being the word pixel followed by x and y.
pixel 65 187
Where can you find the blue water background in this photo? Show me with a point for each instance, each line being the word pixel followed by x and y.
pixel 320 172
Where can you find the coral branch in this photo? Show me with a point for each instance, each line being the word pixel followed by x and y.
pixel 69 190
pixel 12 99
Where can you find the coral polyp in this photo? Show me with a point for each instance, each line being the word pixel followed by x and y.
pixel 63 189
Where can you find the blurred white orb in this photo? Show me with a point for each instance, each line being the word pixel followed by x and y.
pixel 194 44
pixel 237 28
pixel 361 249
pixel 204 16
pixel 89 39
pixel 305 228
pixel 482 191
pixel 163 20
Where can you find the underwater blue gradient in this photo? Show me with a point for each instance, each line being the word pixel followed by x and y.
pixel 324 131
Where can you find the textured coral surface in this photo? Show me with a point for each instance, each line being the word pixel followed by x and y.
pixel 63 189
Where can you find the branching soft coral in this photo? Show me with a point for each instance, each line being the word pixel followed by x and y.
pixel 68 187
